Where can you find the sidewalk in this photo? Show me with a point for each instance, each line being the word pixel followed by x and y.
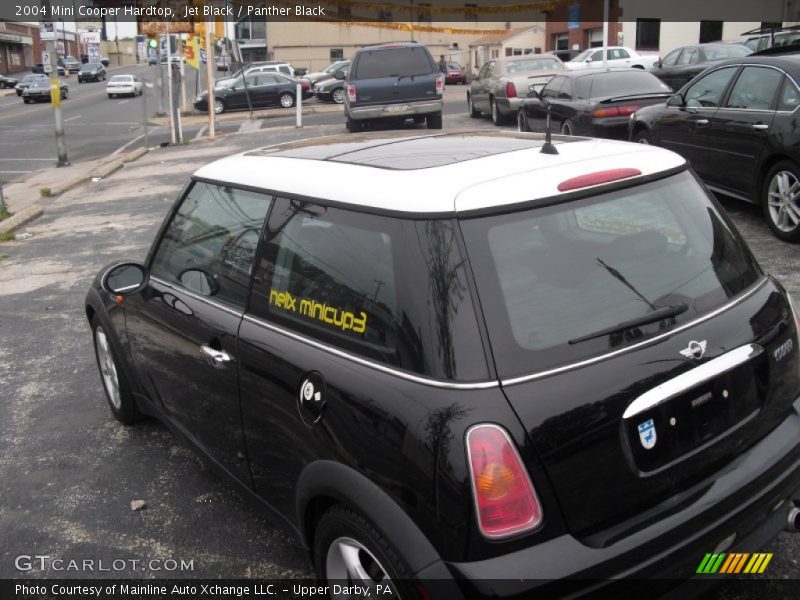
pixel 25 198
pixel 309 108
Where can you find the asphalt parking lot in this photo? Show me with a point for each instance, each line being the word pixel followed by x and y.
pixel 69 471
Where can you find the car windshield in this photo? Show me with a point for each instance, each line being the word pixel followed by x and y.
pixel 40 83
pixel 334 66
pixel 121 79
pixel 33 77
pixel 549 276
pixel 723 51
pixel 533 64
pixel 583 55
pixel 90 67
pixel 619 83
pixel 393 62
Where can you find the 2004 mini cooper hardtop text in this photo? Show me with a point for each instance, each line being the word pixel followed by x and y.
pixel 557 365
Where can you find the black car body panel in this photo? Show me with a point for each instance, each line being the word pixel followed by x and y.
pixel 683 64
pixel 389 438
pixel 258 91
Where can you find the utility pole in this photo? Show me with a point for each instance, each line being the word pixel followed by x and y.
pixel 160 82
pixel 55 94
pixel 210 81
pixel 169 85
pixel 605 33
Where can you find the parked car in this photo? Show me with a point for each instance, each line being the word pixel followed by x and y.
pixel 38 69
pixel 455 74
pixel 736 124
pixel 70 63
pixel 616 56
pixel 682 65
pixel 592 103
pixel 264 89
pixel 8 82
pixel 329 72
pixel 259 67
pixel 768 37
pixel 39 90
pixel 27 80
pixel 503 84
pixel 92 72
pixel 124 85
pixel 393 82
pixel 566 55
pixel 331 90
pixel 606 387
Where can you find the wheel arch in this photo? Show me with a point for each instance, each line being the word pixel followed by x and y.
pixel 761 173
pixel 325 483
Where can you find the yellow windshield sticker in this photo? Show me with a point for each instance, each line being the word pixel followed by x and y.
pixel 307 307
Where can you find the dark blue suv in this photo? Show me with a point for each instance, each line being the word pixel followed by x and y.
pixel 395 81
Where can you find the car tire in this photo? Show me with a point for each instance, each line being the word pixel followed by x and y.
pixel 112 376
pixel 471 108
pixel 26 100
pixel 353 126
pixel 337 95
pixel 286 100
pixel 345 542
pixel 522 121
pixel 643 137
pixel 219 106
pixel 567 128
pixel 497 118
pixel 64 94
pixel 434 121
pixel 782 206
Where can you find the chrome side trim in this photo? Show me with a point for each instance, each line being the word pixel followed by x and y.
pixel 182 290
pixel 653 340
pixel 686 381
pixel 480 385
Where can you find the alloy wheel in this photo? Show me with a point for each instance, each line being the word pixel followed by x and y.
pixel 108 369
pixel 287 101
pixel 218 106
pixel 349 561
pixel 338 95
pixel 495 114
pixel 783 201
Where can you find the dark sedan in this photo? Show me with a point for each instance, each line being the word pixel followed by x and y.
pixel 92 72
pixel 27 81
pixel 331 90
pixel 39 91
pixel 8 82
pixel 592 103
pixel 680 66
pixel 257 90
pixel 737 124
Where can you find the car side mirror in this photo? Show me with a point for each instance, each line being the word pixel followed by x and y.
pixel 657 64
pixel 199 281
pixel 124 279
pixel 675 100
pixel 589 59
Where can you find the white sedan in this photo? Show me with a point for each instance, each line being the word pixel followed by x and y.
pixel 617 56
pixel 120 85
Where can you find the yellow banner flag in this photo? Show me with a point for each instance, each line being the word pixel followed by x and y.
pixel 193 51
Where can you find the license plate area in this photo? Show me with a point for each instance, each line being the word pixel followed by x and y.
pixel 677 428
pixel 397 108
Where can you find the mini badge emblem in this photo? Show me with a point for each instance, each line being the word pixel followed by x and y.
pixel 647 434
pixel 695 349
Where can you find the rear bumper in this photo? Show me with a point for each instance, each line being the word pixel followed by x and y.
pixel 748 501
pixel 509 105
pixel 384 111
pixel 121 90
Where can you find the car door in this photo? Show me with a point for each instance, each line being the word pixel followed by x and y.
pixel 271 87
pixel 619 57
pixel 183 327
pixel 475 86
pixel 685 68
pixel 484 87
pixel 683 127
pixel 595 60
pixel 536 111
pixel 245 93
pixel 664 69
pixel 739 129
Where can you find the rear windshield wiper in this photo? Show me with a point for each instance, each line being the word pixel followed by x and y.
pixel 658 314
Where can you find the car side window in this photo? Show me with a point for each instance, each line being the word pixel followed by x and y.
pixel 553 87
pixel 482 72
pixel 209 246
pixel 388 289
pixel 790 96
pixel 619 54
pixel 284 69
pixel 671 58
pixel 755 89
pixel 565 93
pixel 708 91
pixel 597 55
pixel 689 57
pixel 490 70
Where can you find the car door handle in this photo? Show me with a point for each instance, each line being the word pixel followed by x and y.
pixel 760 126
pixel 216 358
pixel 701 122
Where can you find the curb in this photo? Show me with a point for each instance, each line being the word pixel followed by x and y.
pixel 27 214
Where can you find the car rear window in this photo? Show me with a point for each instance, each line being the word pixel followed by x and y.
pixel 122 78
pixel 387 289
pixel 552 275
pixel 393 62
pixel 619 83
pixel 533 64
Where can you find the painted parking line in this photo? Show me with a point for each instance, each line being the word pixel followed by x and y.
pixel 248 126
pixel 72 118
pixel 200 133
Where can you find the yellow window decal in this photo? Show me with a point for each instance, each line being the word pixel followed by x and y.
pixel 308 307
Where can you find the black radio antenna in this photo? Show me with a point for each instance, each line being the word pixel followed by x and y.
pixel 548 147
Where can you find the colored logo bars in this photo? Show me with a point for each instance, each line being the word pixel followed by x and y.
pixel 733 563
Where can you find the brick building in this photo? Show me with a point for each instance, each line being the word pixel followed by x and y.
pixel 20 47
pixel 578 25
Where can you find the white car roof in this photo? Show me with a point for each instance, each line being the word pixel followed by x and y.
pixel 449 172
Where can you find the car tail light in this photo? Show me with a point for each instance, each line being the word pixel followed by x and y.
pixel 305 84
pixel 439 83
pixel 624 111
pixel 351 92
pixel 601 113
pixel 597 178
pixel 511 90
pixel 505 500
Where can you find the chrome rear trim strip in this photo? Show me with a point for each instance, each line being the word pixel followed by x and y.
pixel 686 381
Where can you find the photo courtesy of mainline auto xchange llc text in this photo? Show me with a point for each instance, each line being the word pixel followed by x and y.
pixel 404 300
